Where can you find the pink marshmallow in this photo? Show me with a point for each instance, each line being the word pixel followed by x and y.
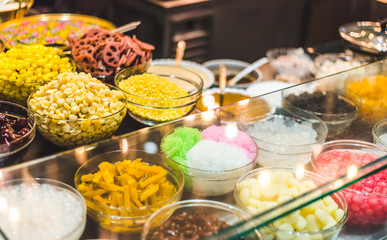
pixel 242 139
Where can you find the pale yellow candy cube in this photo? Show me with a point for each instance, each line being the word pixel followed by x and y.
pixel 253 210
pixel 294 191
pixel 282 235
pixel 278 222
pixel 300 224
pixel 330 224
pixel 323 217
pixel 244 195
pixel 338 214
pixel 292 182
pixel 284 192
pixel 256 191
pixel 331 205
pixel 248 183
pixel 255 203
pixel 312 224
pixel 269 191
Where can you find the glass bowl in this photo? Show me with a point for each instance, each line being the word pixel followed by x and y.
pixel 212 160
pixel 366 201
pixel 267 187
pixel 195 219
pixel 168 66
pixel 372 96
pixel 331 63
pixel 131 214
pixel 290 64
pixel 233 67
pixel 334 109
pixel 283 137
pixel 14 151
pixel 68 133
pixel 107 75
pixel 24 71
pixel 39 208
pixel 379 133
pixel 210 98
pixel 147 107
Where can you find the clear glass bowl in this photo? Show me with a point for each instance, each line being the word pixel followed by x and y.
pixel 39 208
pixel 151 111
pixel 379 133
pixel 331 63
pixel 107 75
pixel 14 152
pixel 82 131
pixel 336 122
pixel 205 178
pixel 290 64
pixel 18 91
pixel 283 137
pixel 194 211
pixel 233 67
pixel 365 209
pixel 121 219
pixel 370 92
pixel 269 186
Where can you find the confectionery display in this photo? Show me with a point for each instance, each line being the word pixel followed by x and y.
pixel 141 148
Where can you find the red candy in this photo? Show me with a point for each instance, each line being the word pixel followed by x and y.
pixel 364 209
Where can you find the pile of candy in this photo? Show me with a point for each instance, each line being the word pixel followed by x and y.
pixel 24 68
pixel 12 129
pixel 373 95
pixel 265 189
pixel 101 52
pixel 367 198
pixel 43 31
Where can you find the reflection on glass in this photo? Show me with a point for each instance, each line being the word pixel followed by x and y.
pixel 13 9
pixel 263 218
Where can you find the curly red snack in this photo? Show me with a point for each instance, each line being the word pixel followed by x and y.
pixel 101 51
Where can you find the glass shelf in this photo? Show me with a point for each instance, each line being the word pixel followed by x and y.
pixel 63 166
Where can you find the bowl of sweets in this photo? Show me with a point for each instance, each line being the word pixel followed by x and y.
pixel 18 129
pixel 41 208
pixel 194 219
pixel 77 109
pixel 367 199
pixel 155 97
pixel 103 53
pixel 212 159
pixel 264 188
pixel 123 188
pixel 27 67
pixel 283 137
pixel 336 110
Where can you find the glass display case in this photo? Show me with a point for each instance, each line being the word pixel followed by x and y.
pixel 367 100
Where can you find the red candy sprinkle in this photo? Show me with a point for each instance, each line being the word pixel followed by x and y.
pixel 368 203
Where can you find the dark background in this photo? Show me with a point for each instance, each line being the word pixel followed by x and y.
pixel 237 29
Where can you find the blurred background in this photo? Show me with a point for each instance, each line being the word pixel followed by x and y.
pixel 242 29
